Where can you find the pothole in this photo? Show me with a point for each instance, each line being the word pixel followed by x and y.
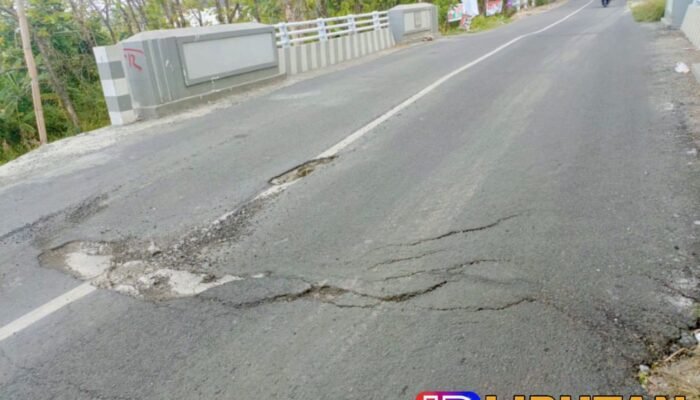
pixel 300 171
pixel 94 262
pixel 83 260
pixel 146 280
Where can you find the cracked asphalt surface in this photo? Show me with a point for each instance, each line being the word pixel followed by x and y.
pixel 525 228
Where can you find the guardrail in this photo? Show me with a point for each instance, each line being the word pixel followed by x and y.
pixel 322 29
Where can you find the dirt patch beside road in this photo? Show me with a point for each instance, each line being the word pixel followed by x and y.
pixel 677 375
pixel 679 93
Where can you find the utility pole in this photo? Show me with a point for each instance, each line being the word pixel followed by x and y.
pixel 31 68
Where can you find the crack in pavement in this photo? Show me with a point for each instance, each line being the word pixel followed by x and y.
pixel 680 292
pixel 50 223
pixel 328 293
pixel 444 269
pixel 452 233
pixel 667 285
pixel 620 330
pixel 506 306
pixel 398 260
pixel 409 295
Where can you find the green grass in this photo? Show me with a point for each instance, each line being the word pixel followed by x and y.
pixel 648 10
pixel 8 154
pixel 479 24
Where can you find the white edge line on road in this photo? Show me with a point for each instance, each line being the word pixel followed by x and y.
pixel 86 288
pixel 46 309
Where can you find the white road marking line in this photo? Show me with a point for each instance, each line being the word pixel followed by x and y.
pixel 274 190
pixel 86 288
pixel 45 310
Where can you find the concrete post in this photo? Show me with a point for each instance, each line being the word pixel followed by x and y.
pixel 351 22
pixel 159 72
pixel 411 22
pixel 677 12
pixel 284 37
pixel 114 84
pixel 691 24
pixel 322 32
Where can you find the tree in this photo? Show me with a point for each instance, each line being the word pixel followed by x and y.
pixel 31 69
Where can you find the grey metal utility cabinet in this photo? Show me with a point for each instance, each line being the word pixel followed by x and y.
pixel 170 70
pixel 412 22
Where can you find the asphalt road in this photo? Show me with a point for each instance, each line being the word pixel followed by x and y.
pixel 525 227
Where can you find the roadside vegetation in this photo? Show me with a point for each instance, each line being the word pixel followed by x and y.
pixel 677 375
pixel 648 10
pixel 482 23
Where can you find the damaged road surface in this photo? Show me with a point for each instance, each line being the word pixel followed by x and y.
pixel 528 226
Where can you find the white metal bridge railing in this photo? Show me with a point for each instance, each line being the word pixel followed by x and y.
pixel 322 29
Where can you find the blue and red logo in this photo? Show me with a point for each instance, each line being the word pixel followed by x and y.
pixel 447 396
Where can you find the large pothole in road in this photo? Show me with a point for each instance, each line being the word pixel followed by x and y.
pixel 94 262
pixel 83 260
pixel 300 171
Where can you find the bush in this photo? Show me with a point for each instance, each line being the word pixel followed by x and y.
pixel 649 10
pixel 482 23
pixel 478 23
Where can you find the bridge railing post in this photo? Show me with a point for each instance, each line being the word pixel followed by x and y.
pixel 284 34
pixel 351 22
pixel 375 20
pixel 322 31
